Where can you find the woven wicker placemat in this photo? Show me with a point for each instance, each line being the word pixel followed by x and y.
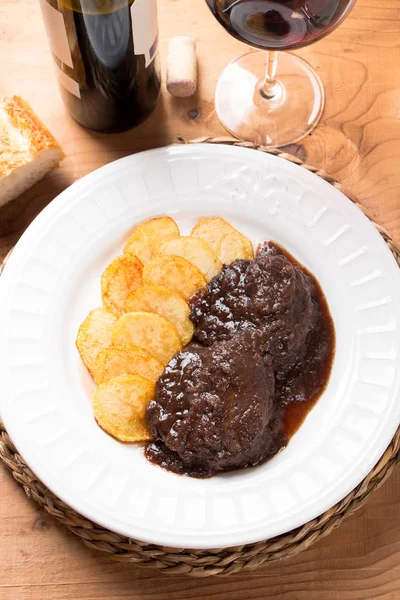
pixel 223 561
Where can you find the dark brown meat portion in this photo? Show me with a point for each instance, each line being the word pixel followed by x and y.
pixel 214 409
pixel 270 296
pixel 265 352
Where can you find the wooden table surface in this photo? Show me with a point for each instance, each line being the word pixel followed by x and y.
pixel 358 142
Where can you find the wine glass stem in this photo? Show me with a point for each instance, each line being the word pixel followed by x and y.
pixel 270 86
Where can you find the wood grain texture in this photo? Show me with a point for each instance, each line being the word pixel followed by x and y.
pixel 358 142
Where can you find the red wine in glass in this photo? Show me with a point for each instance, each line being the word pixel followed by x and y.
pixel 258 97
pixel 279 24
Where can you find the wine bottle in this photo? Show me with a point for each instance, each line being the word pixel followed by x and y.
pixel 106 59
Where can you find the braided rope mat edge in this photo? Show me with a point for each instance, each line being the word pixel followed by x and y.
pixel 223 561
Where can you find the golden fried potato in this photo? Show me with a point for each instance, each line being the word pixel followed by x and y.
pixel 119 278
pixel 175 273
pixel 120 407
pixel 164 302
pixel 234 246
pixel 126 360
pixel 148 234
pixel 195 250
pixel 148 331
pixel 212 230
pixel 94 335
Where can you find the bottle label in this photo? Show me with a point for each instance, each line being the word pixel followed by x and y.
pixel 145 28
pixel 70 84
pixel 57 33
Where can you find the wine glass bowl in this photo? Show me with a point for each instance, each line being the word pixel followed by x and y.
pixel 278 103
pixel 280 24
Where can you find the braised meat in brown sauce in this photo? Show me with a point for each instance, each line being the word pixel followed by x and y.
pixel 264 351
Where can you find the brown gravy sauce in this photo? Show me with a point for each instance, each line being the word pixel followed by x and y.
pixel 296 412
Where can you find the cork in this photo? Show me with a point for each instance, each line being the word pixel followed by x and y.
pixel 182 67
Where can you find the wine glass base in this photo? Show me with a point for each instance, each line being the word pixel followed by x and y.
pixel 286 118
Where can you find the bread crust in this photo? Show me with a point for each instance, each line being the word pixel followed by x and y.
pixel 19 123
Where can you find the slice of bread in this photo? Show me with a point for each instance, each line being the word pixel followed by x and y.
pixel 28 151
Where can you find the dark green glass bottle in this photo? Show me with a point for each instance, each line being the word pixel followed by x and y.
pixel 106 59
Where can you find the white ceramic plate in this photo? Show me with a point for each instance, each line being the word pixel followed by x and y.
pixel 52 281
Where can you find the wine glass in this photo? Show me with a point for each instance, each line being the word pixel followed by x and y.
pixel 279 102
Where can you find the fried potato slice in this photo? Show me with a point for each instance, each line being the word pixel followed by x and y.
pixel 166 303
pixel 175 273
pixel 148 234
pixel 94 335
pixel 226 241
pixel 235 246
pixel 126 360
pixel 148 331
pixel 212 230
pixel 195 250
pixel 120 407
pixel 118 279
